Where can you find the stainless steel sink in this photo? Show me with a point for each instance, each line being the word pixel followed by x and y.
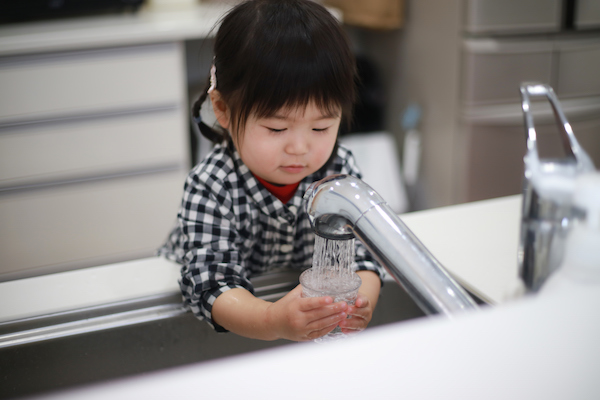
pixel 119 340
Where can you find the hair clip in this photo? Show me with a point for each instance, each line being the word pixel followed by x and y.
pixel 213 78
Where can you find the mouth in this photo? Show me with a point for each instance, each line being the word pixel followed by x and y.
pixel 293 169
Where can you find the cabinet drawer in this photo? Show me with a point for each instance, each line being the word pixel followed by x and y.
pixel 494 157
pixel 587 14
pixel 55 85
pixel 578 66
pixel 494 69
pixel 78 149
pixel 78 225
pixel 512 16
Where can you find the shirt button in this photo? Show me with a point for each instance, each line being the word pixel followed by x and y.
pixel 286 248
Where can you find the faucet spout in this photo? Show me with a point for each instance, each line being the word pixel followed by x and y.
pixel 342 206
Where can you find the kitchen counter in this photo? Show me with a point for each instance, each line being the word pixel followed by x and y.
pixel 477 242
pixel 148 25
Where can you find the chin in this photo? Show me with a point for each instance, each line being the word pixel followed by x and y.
pixel 290 180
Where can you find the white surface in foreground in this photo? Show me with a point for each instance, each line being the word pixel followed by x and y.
pixel 542 348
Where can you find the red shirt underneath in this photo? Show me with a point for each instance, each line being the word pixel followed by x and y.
pixel 283 193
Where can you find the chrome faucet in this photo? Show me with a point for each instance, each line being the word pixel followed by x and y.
pixel 547 212
pixel 342 207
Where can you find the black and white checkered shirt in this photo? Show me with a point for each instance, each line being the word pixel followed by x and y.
pixel 230 227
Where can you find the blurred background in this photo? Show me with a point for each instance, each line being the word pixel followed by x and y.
pixel 96 137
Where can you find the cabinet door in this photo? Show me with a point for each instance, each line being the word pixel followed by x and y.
pixel 493 70
pixel 587 14
pixel 494 163
pixel 79 225
pixel 512 16
pixel 578 72
pixel 62 85
pixel 90 148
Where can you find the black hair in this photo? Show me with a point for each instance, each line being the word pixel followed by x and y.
pixel 271 54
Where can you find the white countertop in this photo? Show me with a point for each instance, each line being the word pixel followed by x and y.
pixel 148 25
pixel 477 242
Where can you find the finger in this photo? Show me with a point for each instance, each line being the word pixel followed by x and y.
pixel 312 303
pixel 326 302
pixel 326 311
pixel 350 331
pixel 361 301
pixel 353 325
pixel 358 316
pixel 324 317
pixel 358 311
pixel 327 321
pixel 319 330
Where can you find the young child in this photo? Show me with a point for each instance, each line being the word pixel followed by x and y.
pixel 282 82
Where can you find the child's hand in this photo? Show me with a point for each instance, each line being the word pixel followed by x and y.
pixel 362 310
pixel 300 319
pixel 360 315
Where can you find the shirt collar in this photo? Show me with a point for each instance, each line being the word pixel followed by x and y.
pixel 265 200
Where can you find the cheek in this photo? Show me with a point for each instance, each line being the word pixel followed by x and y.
pixel 267 150
pixel 325 148
pixel 261 153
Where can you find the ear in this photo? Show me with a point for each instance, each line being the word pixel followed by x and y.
pixel 220 109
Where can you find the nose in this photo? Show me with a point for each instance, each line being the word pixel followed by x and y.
pixel 297 144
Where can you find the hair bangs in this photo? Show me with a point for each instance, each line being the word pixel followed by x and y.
pixel 294 85
pixel 295 76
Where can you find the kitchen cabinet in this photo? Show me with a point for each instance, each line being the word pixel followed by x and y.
pixel 512 16
pixel 94 136
pixel 75 115
pixel 587 14
pixel 464 61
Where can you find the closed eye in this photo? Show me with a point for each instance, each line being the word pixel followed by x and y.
pixel 321 129
pixel 274 130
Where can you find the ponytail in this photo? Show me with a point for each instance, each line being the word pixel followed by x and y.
pixel 208 132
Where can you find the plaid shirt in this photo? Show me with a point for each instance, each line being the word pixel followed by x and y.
pixel 230 227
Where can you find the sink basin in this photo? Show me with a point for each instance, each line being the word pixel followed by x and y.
pixel 115 341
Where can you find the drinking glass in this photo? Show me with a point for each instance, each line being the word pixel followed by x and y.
pixel 339 286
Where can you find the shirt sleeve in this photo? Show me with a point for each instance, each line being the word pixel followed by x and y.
pixel 208 238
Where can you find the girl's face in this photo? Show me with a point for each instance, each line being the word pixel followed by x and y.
pixel 289 146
